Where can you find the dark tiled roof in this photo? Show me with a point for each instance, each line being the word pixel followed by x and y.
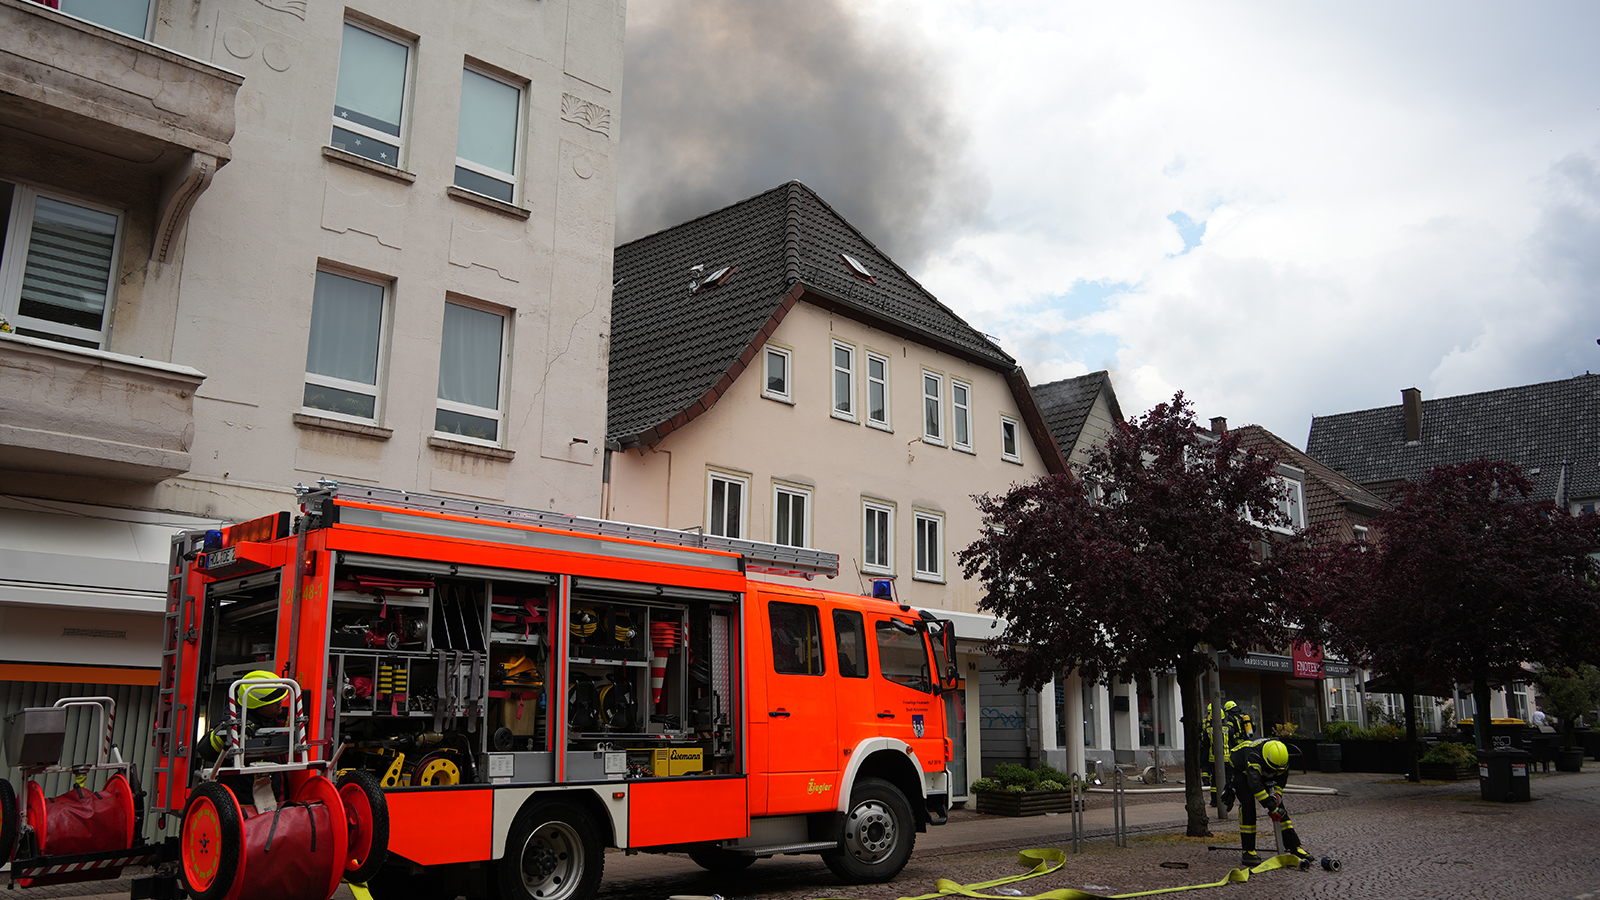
pixel 1328 493
pixel 674 352
pixel 1066 405
pixel 1536 426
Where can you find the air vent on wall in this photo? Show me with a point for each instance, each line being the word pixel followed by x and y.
pixel 111 633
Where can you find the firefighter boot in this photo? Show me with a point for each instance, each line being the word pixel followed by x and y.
pixel 1249 859
pixel 1306 859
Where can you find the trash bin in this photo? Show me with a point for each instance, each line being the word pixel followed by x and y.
pixel 1330 757
pixel 1503 775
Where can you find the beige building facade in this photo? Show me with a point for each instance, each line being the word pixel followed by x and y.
pixel 255 243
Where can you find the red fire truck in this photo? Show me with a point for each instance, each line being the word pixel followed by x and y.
pixel 438 697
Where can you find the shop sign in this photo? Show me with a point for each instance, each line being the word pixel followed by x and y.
pixel 1331 669
pixel 1307 660
pixel 1258 662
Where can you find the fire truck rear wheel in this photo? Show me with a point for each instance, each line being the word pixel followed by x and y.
pixel 10 816
pixel 716 859
pixel 367 817
pixel 553 853
pixel 878 835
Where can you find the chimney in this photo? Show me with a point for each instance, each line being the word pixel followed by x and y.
pixel 1411 403
pixel 1219 425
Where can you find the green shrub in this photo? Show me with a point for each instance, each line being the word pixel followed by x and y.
pixel 1051 773
pixel 1050 784
pixel 1384 733
pixel 1016 788
pixel 1450 754
pixel 1338 731
pixel 985 784
pixel 1012 775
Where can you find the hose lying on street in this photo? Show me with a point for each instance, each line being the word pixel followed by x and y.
pixel 1044 862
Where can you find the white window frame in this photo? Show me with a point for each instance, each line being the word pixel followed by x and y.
pixel 1358 533
pixel 514 179
pixel 848 414
pixel 886 423
pixel 781 490
pixel 929 437
pixel 374 390
pixel 407 93
pixel 498 414
pixel 869 508
pixel 14 267
pixel 1292 492
pixel 787 394
pixel 960 412
pixel 1011 426
pixel 743 482
pixel 925 519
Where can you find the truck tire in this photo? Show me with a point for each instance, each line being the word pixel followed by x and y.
pixel 877 836
pixel 553 852
pixel 367 816
pixel 10 818
pixel 724 862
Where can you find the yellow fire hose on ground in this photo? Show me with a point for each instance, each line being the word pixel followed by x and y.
pixel 1044 862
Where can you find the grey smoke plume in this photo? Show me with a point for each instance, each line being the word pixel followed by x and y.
pixel 723 99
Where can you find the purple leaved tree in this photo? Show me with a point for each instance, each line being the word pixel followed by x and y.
pixel 1144 563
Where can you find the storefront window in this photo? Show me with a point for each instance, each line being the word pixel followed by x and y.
pixel 1090 692
pixel 1303 707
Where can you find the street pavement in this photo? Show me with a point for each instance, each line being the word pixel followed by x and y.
pixel 1394 840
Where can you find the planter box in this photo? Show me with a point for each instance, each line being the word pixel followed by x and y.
pixel 1448 772
pixel 1025 803
pixel 1387 757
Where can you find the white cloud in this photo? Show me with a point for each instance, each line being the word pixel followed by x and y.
pixel 1375 183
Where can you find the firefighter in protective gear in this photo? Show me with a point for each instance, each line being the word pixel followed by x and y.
pixel 1236 730
pixel 262 706
pixel 1260 771
pixel 1237 724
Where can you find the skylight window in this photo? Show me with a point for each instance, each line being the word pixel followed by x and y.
pixel 857 269
pixel 716 278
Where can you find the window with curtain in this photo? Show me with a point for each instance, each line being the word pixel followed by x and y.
pixel 961 415
pixel 725 499
pixel 878 391
pixel 370 97
pixel 1010 447
pixel 932 408
pixel 844 381
pixel 791 516
pixel 877 538
pixel 471 362
pixel 930 547
pixel 131 17
pixel 777 374
pixel 57 266
pixel 486 143
pixel 343 354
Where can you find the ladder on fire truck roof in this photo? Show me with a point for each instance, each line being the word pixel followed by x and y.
pixel 774 559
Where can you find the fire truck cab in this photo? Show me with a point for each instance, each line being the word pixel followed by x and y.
pixel 479 699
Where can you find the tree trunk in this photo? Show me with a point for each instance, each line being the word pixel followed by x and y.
pixel 1194 798
pixel 1413 767
pixel 1480 716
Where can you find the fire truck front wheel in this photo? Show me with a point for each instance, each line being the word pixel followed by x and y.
pixel 878 834
pixel 553 853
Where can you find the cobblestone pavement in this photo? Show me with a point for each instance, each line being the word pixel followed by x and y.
pixel 1395 840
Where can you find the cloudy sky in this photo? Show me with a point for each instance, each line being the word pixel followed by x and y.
pixel 1283 210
